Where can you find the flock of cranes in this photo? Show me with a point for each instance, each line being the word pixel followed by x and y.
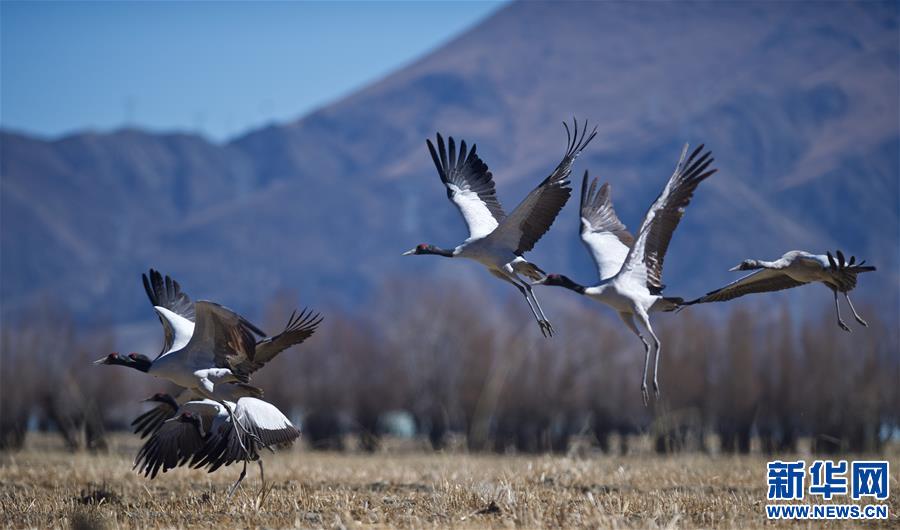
pixel 210 352
pixel 629 268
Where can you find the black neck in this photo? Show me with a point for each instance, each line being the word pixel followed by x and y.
pixel 142 365
pixel 567 282
pixel 438 252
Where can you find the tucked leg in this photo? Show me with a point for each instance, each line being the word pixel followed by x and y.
pixel 855 314
pixel 837 309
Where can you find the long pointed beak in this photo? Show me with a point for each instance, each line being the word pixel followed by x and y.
pixel 409 252
pixel 101 360
pixel 736 267
pixel 539 282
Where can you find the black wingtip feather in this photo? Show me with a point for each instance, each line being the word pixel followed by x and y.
pixel 442 151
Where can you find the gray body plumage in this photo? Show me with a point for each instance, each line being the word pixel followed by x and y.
pixel 630 268
pixel 496 240
pixel 793 269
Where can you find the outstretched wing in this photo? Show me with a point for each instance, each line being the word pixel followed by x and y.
pixel 470 186
pixel 266 425
pixel 222 338
pixel 175 442
pixel 166 293
pixel 299 328
pixel 761 281
pixel 533 216
pixel 150 421
pixel 645 260
pixel 604 235
pixel 843 273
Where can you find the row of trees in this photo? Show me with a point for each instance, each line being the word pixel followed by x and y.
pixel 459 364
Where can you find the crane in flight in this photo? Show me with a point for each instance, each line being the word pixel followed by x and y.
pixel 496 240
pixel 630 268
pixel 793 269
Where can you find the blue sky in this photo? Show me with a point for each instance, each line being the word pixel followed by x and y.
pixel 219 68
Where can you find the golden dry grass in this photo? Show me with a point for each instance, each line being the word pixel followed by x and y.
pixel 44 487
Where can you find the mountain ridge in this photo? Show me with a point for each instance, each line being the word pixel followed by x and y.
pixel 796 103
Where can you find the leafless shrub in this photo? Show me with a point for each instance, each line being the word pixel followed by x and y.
pixel 465 364
pixel 47 379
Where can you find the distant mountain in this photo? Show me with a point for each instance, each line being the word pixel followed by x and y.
pixel 797 100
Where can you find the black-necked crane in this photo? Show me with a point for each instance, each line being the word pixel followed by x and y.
pixel 167 405
pixel 496 240
pixel 793 269
pixel 206 433
pixel 208 348
pixel 630 269
pixel 207 345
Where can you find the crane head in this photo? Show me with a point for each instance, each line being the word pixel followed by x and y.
pixel 551 279
pixel 746 265
pixel 112 358
pixel 421 248
pixel 132 360
pixel 424 248
pixel 193 419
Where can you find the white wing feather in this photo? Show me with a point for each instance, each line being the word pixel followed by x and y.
pixel 608 251
pixel 182 329
pixel 261 415
pixel 478 217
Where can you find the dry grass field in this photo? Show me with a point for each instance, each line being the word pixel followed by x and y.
pixel 44 487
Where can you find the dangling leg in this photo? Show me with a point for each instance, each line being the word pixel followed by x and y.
pixel 855 314
pixel 521 267
pixel 543 318
pixel 524 293
pixel 240 478
pixel 644 319
pixel 657 348
pixel 534 312
pixel 838 310
pixel 628 319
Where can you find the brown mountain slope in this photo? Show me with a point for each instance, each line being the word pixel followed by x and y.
pixel 798 101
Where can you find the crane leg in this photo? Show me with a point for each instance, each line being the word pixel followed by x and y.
pixel 837 309
pixel 855 314
pixel 240 478
pixel 524 292
pixel 241 431
pixel 657 348
pixel 531 306
pixel 645 321
pixel 263 491
pixel 262 473
pixel 544 323
pixel 628 319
